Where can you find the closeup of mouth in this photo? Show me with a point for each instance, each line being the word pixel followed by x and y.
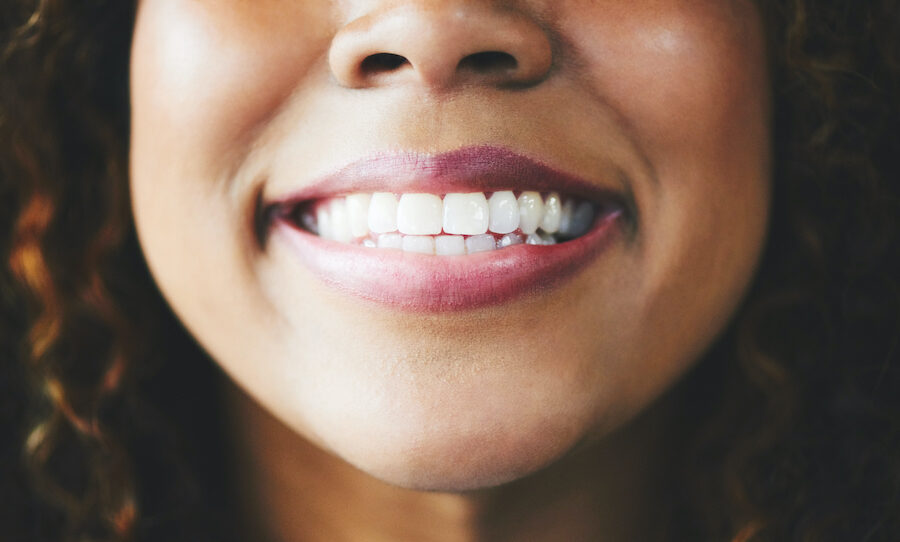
pixel 472 227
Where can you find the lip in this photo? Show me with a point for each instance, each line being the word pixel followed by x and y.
pixel 431 284
pixel 482 168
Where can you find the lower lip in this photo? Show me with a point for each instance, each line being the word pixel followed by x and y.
pixel 430 284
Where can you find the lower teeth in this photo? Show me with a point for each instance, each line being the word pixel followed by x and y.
pixel 455 245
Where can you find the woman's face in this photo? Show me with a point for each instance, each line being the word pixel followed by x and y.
pixel 252 119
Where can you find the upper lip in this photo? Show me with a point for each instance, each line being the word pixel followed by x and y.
pixel 477 168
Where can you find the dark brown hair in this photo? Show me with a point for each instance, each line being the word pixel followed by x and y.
pixel 792 422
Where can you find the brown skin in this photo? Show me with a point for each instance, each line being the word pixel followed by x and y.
pixel 232 99
pixel 615 489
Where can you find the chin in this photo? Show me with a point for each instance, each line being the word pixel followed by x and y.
pixel 455 451
pixel 458 464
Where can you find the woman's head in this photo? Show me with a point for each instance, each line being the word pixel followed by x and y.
pixel 664 103
pixel 667 105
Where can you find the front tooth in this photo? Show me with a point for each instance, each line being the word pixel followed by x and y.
pixel 358 209
pixel 419 214
pixel 383 213
pixel 534 239
pixel 466 214
pixel 323 222
pixel 450 245
pixel 504 211
pixel 480 243
pixel 340 220
pixel 423 244
pixel 390 240
pixel 552 213
pixel 531 211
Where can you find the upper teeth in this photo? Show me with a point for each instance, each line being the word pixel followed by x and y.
pixel 380 218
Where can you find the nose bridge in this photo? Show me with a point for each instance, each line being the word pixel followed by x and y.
pixel 440 45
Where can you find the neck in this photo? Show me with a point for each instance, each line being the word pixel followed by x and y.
pixel 295 492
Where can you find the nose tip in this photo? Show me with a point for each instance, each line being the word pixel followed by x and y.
pixel 441 47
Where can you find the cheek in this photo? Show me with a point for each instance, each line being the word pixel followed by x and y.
pixel 689 80
pixel 204 76
pixel 208 73
pixel 684 74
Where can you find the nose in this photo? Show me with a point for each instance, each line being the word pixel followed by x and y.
pixel 441 45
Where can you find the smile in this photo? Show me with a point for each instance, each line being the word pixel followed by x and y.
pixel 457 224
pixel 469 228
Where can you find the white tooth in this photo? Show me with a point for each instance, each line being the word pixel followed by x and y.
pixel 534 239
pixel 510 240
pixel 358 209
pixel 565 217
pixel 531 211
pixel 323 222
pixel 504 211
pixel 480 243
pixel 383 213
pixel 552 213
pixel 390 240
pixel 419 214
pixel 466 214
pixel 450 245
pixel 423 244
pixel 340 220
pixel 368 243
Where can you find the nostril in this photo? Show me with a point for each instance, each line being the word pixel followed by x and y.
pixel 382 63
pixel 441 46
pixel 488 62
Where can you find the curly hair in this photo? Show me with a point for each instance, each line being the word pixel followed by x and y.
pixel 84 453
pixel 790 425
